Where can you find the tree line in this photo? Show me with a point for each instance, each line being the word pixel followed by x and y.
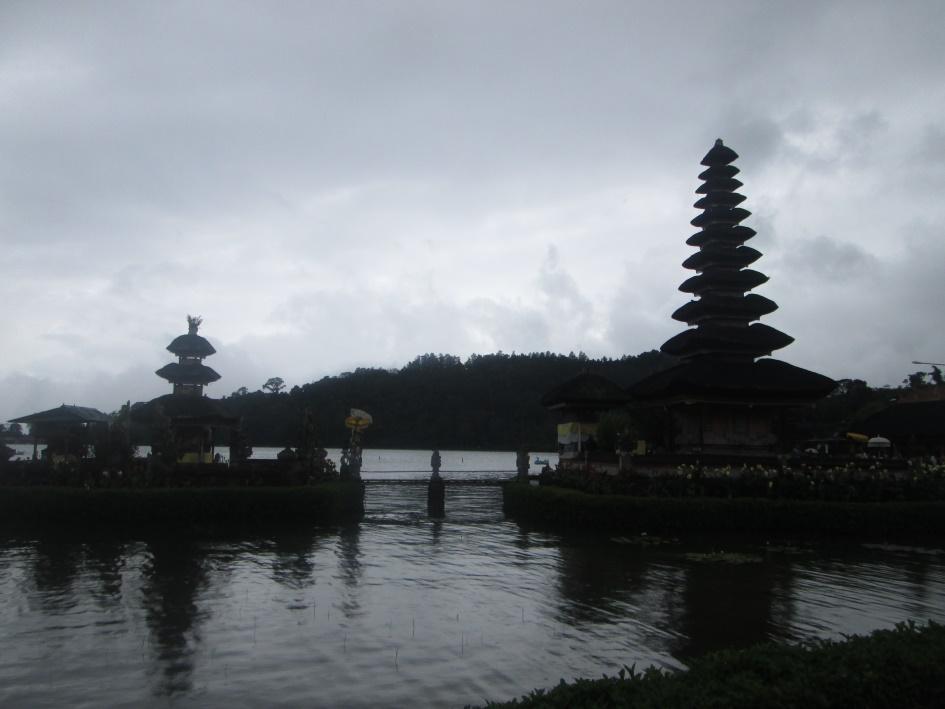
pixel 437 400
pixel 492 402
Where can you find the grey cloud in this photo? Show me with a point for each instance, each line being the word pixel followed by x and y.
pixel 263 165
pixel 823 260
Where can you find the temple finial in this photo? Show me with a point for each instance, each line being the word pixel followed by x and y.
pixel 193 324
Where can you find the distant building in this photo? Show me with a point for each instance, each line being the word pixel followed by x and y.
pixel 916 427
pixel 726 395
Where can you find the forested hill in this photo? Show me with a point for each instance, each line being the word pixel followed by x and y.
pixel 487 402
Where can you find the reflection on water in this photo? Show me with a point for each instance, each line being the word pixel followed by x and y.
pixel 174 574
pixel 400 610
pixel 735 604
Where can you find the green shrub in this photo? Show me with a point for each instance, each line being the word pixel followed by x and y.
pixel 890 668
pixel 54 506
pixel 856 480
pixel 572 508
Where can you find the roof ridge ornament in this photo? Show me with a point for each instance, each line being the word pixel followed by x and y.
pixel 193 324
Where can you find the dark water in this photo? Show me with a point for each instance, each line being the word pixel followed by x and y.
pixel 403 611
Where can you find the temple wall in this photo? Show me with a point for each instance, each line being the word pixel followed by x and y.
pixel 725 427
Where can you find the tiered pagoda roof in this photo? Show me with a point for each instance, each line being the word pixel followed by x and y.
pixel 187 405
pixel 189 374
pixel 720 350
pixel 724 313
pixel 587 390
pixel 191 344
pixel 198 410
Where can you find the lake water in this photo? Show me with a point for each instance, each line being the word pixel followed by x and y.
pixel 401 610
pixel 387 464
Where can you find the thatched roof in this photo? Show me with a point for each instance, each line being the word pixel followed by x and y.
pixel 756 340
pixel 718 182
pixel 183 408
pixel 720 215
pixel 191 345
pixel 738 257
pixel 187 373
pixel 719 198
pixel 65 414
pixel 719 155
pixel 743 280
pixel 719 353
pixel 586 390
pixel 750 307
pixel 735 235
pixel 763 381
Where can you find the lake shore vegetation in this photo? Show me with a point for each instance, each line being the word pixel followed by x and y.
pixel 564 507
pixel 42 506
pixel 889 668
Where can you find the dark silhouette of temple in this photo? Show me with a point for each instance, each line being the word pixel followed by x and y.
pixel 183 421
pixel 189 374
pixel 726 395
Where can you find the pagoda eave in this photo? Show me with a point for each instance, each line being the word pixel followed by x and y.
pixel 720 215
pixel 587 390
pixel 719 198
pixel 750 307
pixel 757 340
pixel 722 234
pixel 738 257
pixel 191 345
pixel 191 373
pixel 742 280
pixel 719 155
pixel 763 382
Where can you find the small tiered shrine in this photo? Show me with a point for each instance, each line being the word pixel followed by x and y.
pixel 726 395
pixel 189 374
pixel 190 416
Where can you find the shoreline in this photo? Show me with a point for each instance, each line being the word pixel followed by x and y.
pixel 887 668
pixel 40 506
pixel 572 509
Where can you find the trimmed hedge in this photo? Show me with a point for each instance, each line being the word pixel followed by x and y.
pixel 51 506
pixel 571 508
pixel 827 480
pixel 890 668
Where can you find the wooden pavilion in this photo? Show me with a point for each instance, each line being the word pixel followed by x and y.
pixel 67 430
pixel 578 404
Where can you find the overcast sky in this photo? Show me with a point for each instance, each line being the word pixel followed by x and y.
pixel 343 184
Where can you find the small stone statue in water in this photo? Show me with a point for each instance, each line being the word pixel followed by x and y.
pixel 522 463
pixel 436 488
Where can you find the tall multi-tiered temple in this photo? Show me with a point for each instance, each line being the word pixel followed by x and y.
pixel 726 395
pixel 183 421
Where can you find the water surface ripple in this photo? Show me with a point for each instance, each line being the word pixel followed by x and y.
pixel 401 610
